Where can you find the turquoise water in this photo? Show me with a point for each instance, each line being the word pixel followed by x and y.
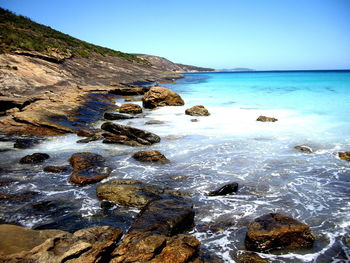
pixel 227 146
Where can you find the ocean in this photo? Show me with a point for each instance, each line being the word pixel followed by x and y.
pixel 312 109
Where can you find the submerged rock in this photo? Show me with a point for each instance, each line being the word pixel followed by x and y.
pixel 153 122
pixel 344 156
pixel 133 134
pixel 225 190
pixel 25 143
pixel 54 169
pixel 160 96
pixel 116 116
pixel 266 119
pixel 130 108
pixel 93 138
pixel 304 148
pixel 150 156
pixel 277 231
pixel 34 158
pixel 198 110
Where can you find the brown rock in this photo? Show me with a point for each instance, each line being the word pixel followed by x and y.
pixel 153 122
pixel 150 156
pixel 249 257
pixel 276 231
pixel 81 178
pixel 198 110
pixel 120 139
pixel 116 116
pixel 133 99
pixel 54 169
pixel 86 133
pixel 344 156
pixel 129 91
pixel 304 148
pixel 160 96
pixel 266 119
pixel 130 108
pixel 34 158
pixel 84 160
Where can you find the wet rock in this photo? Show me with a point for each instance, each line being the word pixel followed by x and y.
pixel 55 169
pixel 266 119
pixel 86 132
pixel 249 257
pixel 277 231
pixel 160 96
pixel 93 138
pixel 120 139
pixel 134 134
pixel 166 217
pixel 150 156
pixel 116 116
pixel 344 156
pixel 194 120
pixel 34 158
pixel 87 245
pixel 153 122
pixel 14 239
pixel 198 110
pixel 133 99
pixel 4 182
pixel 128 192
pixel 87 168
pixel 129 91
pixel 130 108
pixel 304 148
pixel 25 143
pixel 20 197
pixel 225 190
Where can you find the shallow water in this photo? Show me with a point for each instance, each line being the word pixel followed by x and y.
pixel 228 146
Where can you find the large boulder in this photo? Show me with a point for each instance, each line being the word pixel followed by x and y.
pixel 277 231
pixel 266 119
pixel 34 158
pixel 130 108
pixel 198 110
pixel 87 168
pixel 150 156
pixel 134 134
pixel 344 156
pixel 160 96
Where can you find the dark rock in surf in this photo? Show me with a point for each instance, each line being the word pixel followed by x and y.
pixel 304 148
pixel 116 116
pixel 86 132
pixel 34 158
pixel 150 156
pixel 134 134
pixel 198 110
pixel 93 138
pixel 225 190
pixel 55 169
pixel 277 231
pixel 344 156
pixel 119 139
pixel 266 119
pixel 25 143
pixel 130 108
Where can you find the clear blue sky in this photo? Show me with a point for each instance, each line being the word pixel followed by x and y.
pixel 258 34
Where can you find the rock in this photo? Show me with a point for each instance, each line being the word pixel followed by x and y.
pixel 93 138
pixel 134 134
pixel 344 156
pixel 277 231
pixel 116 116
pixel 249 257
pixel 150 156
pixel 266 119
pixel 198 110
pixel 153 122
pixel 120 139
pixel 194 120
pixel 86 133
pixel 225 190
pixel 34 158
pixel 14 239
pixel 128 192
pixel 130 108
pixel 21 197
pixel 133 99
pixel 5 181
pixel 87 168
pixel 165 217
pixel 304 148
pixel 54 169
pixel 25 143
pixel 94 244
pixel 129 91
pixel 160 96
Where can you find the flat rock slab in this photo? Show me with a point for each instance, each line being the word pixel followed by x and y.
pixel 266 119
pixel 277 231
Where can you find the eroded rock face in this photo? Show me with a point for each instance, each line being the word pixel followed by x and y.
pixel 160 96
pixel 344 156
pixel 130 108
pixel 140 136
pixel 225 190
pixel 304 148
pixel 87 168
pixel 198 110
pixel 277 231
pixel 150 156
pixel 34 158
pixel 266 119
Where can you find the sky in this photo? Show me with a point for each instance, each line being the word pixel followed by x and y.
pixel 256 34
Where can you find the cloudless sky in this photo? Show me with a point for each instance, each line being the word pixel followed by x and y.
pixel 258 34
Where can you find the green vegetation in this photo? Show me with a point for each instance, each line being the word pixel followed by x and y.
pixel 21 33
